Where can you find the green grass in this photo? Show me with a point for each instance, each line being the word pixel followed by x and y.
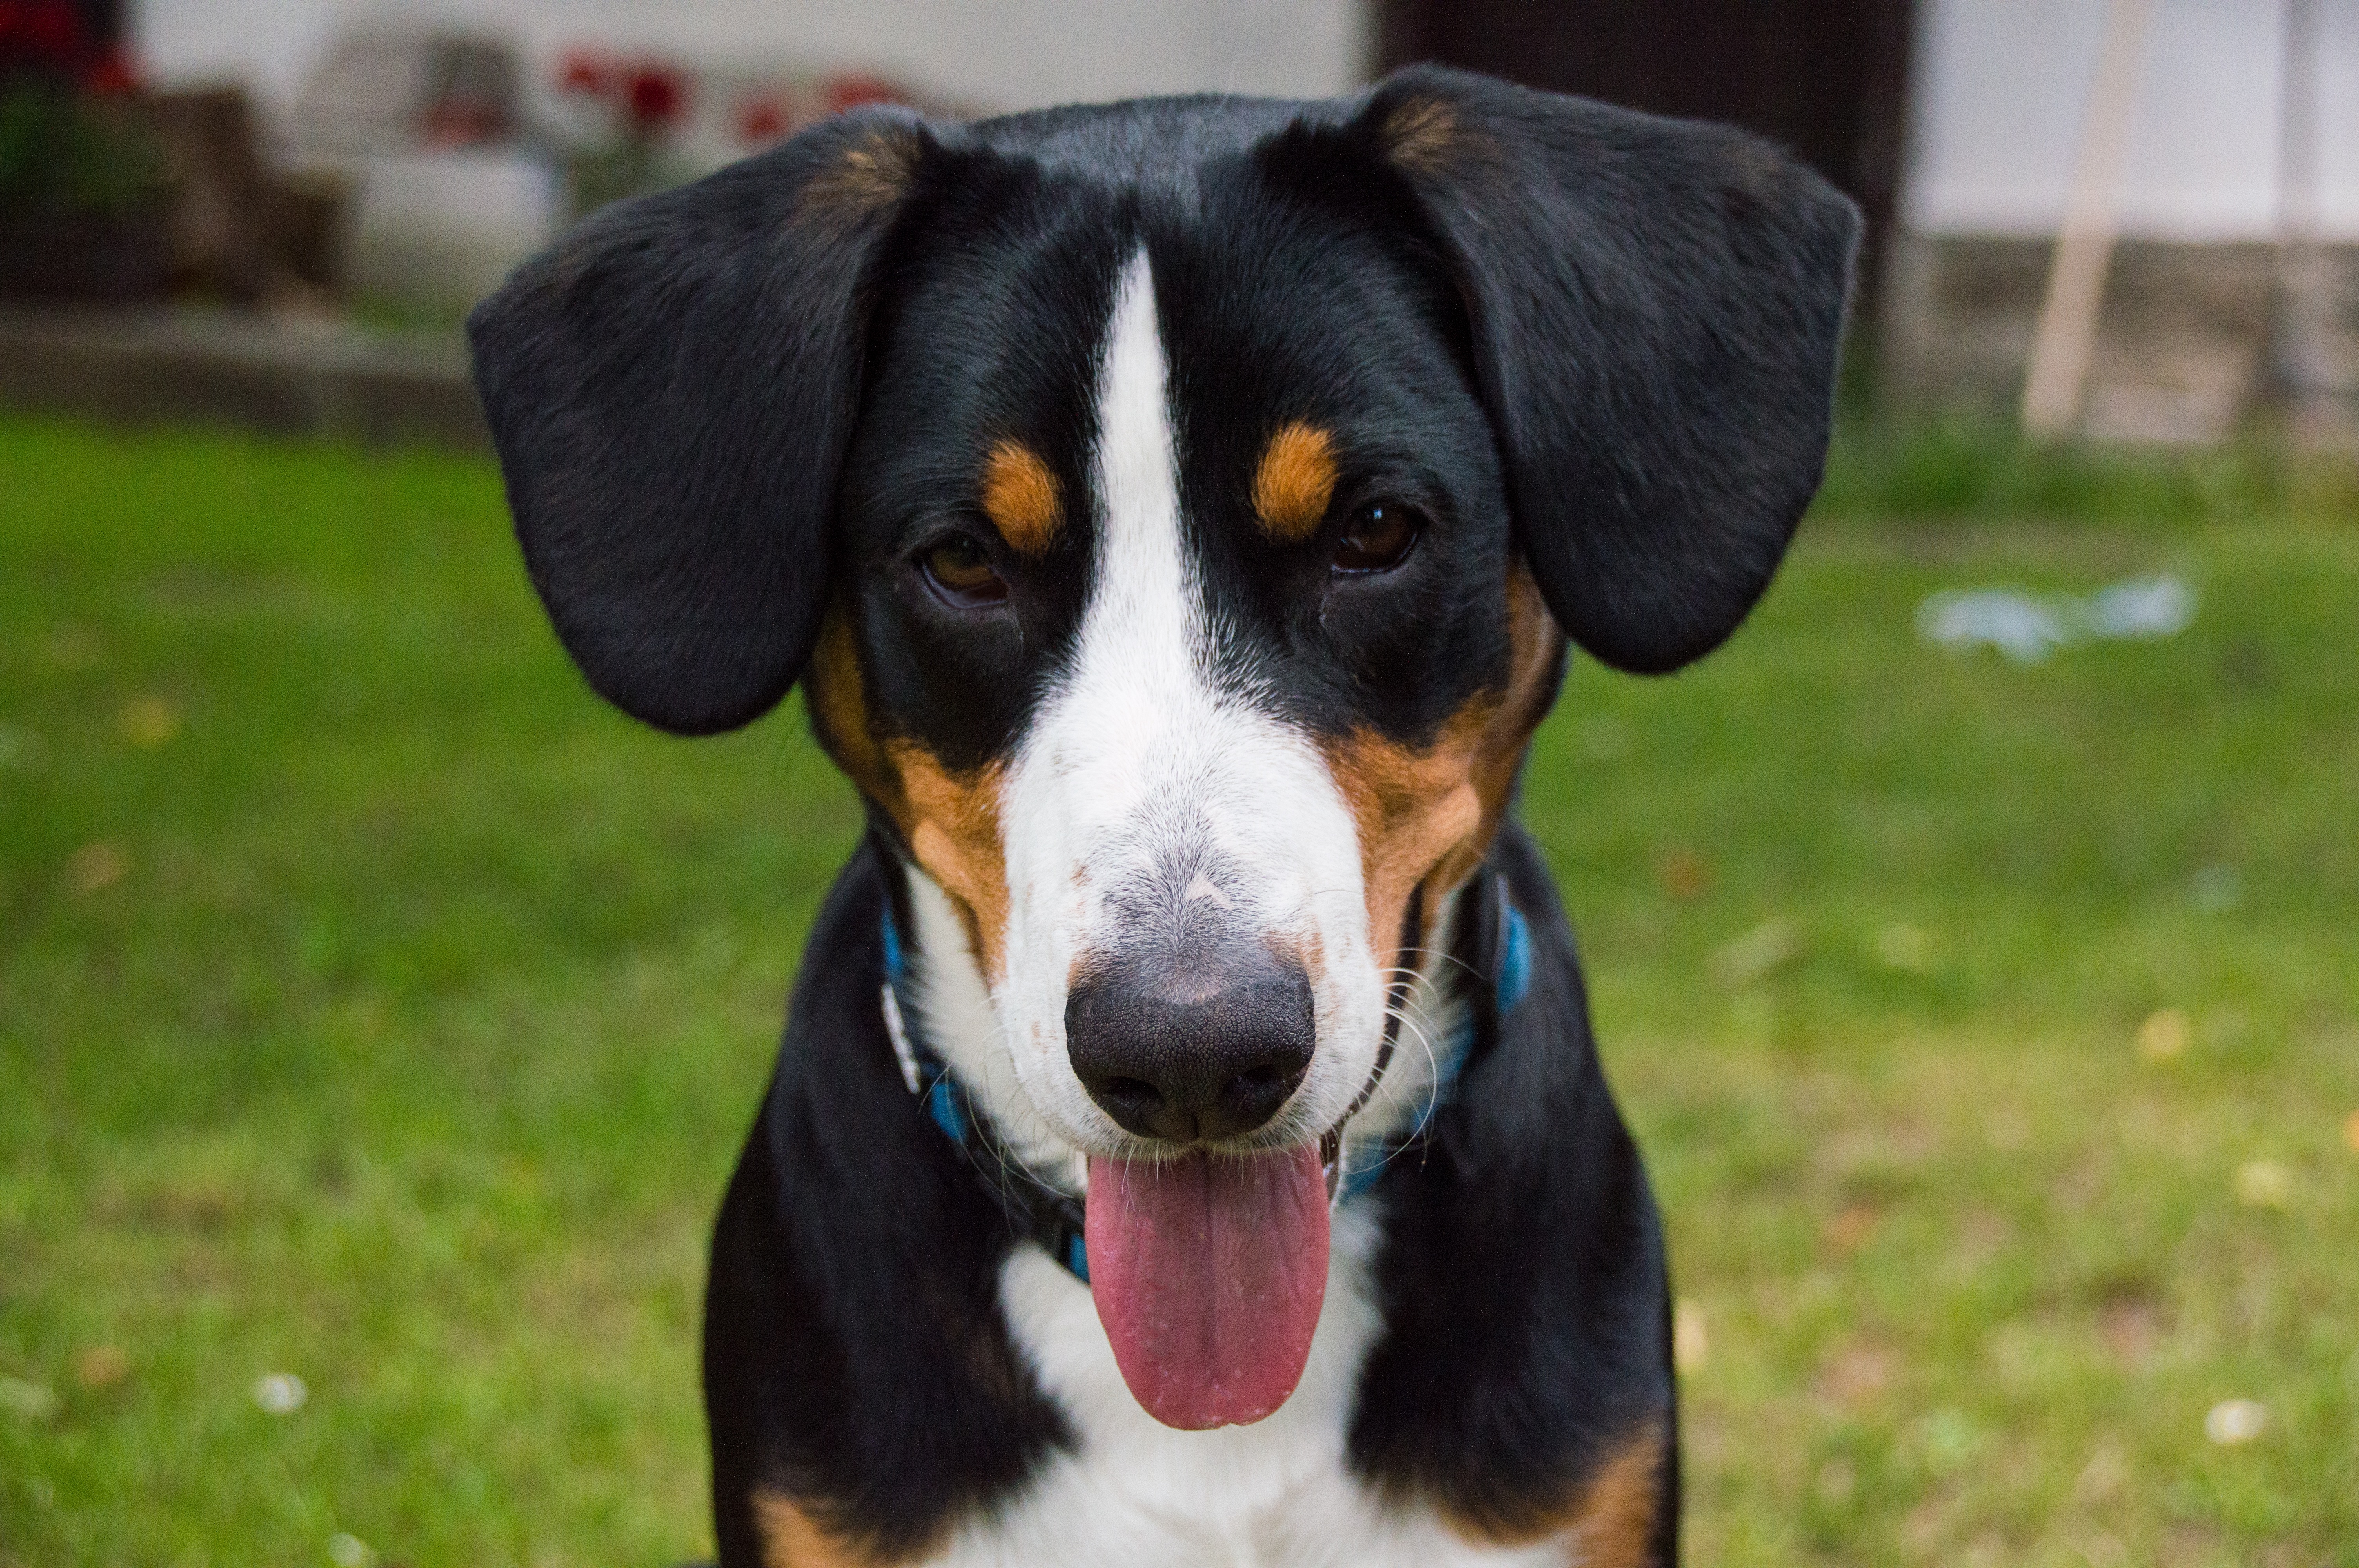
pixel 377 1007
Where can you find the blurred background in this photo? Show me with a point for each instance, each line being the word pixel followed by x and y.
pixel 386 163
pixel 1975 941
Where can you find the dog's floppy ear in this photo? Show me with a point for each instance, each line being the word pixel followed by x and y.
pixel 1656 308
pixel 671 388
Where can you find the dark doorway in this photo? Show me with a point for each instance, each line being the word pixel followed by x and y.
pixel 101 21
pixel 1827 78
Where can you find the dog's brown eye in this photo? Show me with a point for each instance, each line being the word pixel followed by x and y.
pixel 963 573
pixel 1378 538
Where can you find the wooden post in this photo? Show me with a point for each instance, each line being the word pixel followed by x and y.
pixel 2299 316
pixel 2062 343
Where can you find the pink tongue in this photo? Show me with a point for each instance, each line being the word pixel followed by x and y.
pixel 1208 1272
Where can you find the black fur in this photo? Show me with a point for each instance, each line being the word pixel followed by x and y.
pixel 1656 309
pixel 1599 340
pixel 670 390
pixel 853 1348
pixel 1523 1262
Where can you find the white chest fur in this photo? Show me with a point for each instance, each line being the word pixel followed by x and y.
pixel 1274 1495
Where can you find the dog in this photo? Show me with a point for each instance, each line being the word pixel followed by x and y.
pixel 1187 1145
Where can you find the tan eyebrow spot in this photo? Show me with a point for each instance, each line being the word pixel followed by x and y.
pixel 870 176
pixel 1019 496
pixel 1295 482
pixel 1421 134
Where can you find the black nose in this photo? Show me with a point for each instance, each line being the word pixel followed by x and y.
pixel 1206 1049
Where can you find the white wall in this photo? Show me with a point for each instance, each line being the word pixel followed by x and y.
pixel 993 54
pixel 1995 113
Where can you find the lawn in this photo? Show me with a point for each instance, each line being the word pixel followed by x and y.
pixel 379 1011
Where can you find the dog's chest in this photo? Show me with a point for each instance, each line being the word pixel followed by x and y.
pixel 1274 1495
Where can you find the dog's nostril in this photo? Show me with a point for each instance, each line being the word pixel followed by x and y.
pixel 1212 1053
pixel 1251 1097
pixel 1134 1091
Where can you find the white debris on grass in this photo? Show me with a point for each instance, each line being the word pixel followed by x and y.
pixel 2140 608
pixel 1690 1337
pixel 279 1393
pixel 2028 627
pixel 1758 954
pixel 2231 1422
pixel 348 1551
pixel 2264 1183
pixel 2165 1035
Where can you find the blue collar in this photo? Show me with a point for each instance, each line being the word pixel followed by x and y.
pixel 1041 1212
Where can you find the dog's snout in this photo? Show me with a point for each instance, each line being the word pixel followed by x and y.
pixel 1207 1050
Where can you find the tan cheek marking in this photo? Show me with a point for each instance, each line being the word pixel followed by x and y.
pixel 954 831
pixel 1294 482
pixel 1426 818
pixel 792 1539
pixel 1019 496
pixel 834 693
pixel 1533 647
pixel 950 820
pixel 1411 808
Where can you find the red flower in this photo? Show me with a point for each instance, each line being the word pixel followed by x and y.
pixel 112 75
pixel 761 121
pixel 41 32
pixel 586 72
pixel 657 97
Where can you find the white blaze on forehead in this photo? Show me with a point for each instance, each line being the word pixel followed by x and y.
pixel 1142 768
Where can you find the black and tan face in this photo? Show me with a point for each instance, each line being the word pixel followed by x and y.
pixel 1179 637
pixel 1171 509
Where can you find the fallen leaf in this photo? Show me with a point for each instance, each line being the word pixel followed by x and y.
pixel 1758 954
pixel 102 1367
pixel 1850 1230
pixel 147 722
pixel 1691 1343
pixel 1687 876
pixel 2351 1132
pixel 2164 1036
pixel 2231 1422
pixel 1856 1373
pixel 2131 1327
pixel 2104 1477
pixel 1837 1481
pixel 95 866
pixel 2264 1183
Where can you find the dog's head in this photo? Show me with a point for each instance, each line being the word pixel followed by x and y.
pixel 1171 510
